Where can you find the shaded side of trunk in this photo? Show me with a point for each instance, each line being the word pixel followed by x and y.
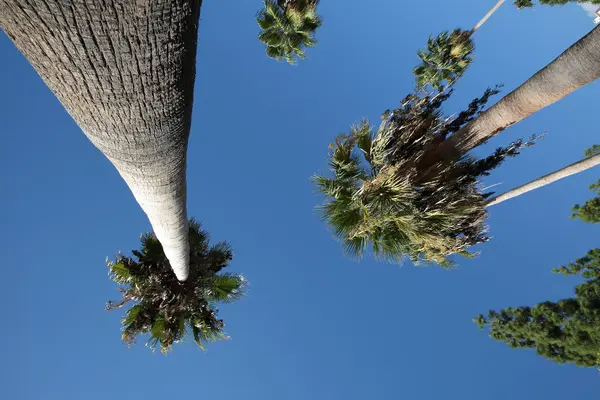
pixel 488 15
pixel 572 169
pixel 124 70
pixel 574 68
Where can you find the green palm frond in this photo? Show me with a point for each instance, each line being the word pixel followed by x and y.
pixel 288 27
pixel 119 273
pixel 226 288
pixel 131 315
pixel 378 199
pixel 445 59
pixel 166 309
pixel 204 333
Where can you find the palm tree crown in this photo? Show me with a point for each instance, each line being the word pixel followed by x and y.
pixel 445 59
pixel 288 27
pixel 166 308
pixel 379 196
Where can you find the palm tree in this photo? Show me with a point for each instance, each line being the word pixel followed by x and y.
pixel 288 27
pixel 577 66
pixel 166 308
pixel 125 73
pixel 378 197
pixel 564 172
pixel 447 56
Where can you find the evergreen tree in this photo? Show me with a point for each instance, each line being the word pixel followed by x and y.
pixel 566 331
pixel 166 308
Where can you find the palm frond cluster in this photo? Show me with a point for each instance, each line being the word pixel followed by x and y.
pixel 380 196
pixel 166 308
pixel 288 27
pixel 445 59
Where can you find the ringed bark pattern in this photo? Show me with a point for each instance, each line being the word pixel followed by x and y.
pixel 124 71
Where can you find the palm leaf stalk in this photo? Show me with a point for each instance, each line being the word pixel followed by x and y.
pixel 165 308
pixel 447 56
pixel 287 28
pixel 377 197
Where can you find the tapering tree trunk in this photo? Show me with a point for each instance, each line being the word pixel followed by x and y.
pixel 569 170
pixel 124 70
pixel 488 15
pixel 574 68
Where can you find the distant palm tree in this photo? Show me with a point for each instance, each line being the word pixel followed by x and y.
pixel 166 308
pixel 378 198
pixel 447 56
pixel 423 201
pixel 564 172
pixel 288 27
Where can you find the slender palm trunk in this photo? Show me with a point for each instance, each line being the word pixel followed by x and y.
pixel 488 15
pixel 124 70
pixel 574 68
pixel 569 170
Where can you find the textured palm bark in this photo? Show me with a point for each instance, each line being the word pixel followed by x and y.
pixel 569 170
pixel 124 70
pixel 574 68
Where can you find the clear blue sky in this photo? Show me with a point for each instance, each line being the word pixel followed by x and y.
pixel 315 324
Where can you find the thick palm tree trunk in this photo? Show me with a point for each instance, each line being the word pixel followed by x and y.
pixel 124 70
pixel 574 68
pixel 569 170
pixel 488 15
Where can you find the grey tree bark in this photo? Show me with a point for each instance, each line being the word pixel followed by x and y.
pixel 488 15
pixel 574 68
pixel 124 70
pixel 569 170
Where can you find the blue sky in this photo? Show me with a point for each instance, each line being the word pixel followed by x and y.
pixel 315 324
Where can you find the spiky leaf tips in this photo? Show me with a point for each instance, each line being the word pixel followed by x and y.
pixel 445 59
pixel 379 195
pixel 166 308
pixel 566 331
pixel 287 28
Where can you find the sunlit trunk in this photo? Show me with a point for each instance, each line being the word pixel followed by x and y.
pixel 572 169
pixel 488 15
pixel 574 68
pixel 124 70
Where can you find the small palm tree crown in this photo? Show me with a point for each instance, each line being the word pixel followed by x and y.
pixel 378 196
pixel 445 60
pixel 166 308
pixel 288 27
